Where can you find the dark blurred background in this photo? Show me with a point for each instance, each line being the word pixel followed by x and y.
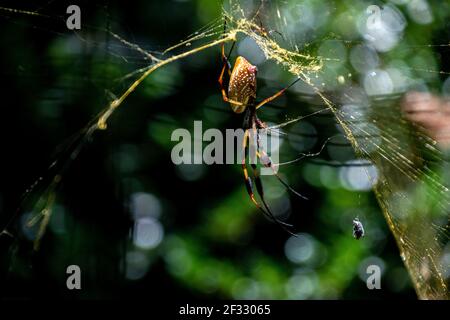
pixel 139 226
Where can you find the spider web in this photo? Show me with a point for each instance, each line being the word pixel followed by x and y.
pixel 409 164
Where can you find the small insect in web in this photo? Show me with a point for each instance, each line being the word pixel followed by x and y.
pixel 358 229
pixel 241 95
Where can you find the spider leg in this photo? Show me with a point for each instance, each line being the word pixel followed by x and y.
pixel 226 67
pixel 225 58
pixel 248 181
pixel 267 162
pixel 260 190
pixel 249 186
pixel 276 95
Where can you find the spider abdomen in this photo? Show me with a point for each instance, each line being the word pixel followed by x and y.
pixel 242 86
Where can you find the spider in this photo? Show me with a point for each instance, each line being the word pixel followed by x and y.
pixel 241 95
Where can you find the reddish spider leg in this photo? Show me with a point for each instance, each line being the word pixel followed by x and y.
pixel 226 65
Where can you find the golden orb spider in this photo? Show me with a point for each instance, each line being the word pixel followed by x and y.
pixel 241 95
